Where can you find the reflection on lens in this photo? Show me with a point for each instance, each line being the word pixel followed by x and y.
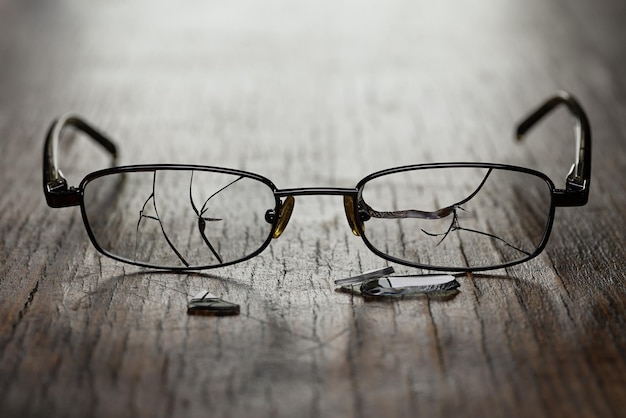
pixel 457 217
pixel 174 218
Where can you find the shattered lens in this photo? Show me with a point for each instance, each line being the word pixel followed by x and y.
pixel 457 217
pixel 179 218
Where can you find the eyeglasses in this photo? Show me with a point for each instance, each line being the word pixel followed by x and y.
pixel 444 216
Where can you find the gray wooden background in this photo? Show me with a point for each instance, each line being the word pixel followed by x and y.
pixel 310 93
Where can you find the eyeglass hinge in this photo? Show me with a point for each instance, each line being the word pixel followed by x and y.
pixel 573 195
pixel 58 195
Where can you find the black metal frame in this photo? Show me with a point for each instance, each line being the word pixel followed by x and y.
pixel 544 240
pixel 576 192
pixel 151 168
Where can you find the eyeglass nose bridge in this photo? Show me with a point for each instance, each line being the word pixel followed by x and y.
pixel 286 207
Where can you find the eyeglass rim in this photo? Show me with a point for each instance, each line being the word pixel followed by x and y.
pixel 172 167
pixel 506 167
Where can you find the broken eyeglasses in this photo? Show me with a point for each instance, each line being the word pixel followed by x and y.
pixel 444 216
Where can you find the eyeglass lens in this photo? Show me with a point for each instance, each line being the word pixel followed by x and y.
pixel 178 218
pixel 457 217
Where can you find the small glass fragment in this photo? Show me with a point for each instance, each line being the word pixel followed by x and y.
pixel 363 277
pixel 206 303
pixel 408 285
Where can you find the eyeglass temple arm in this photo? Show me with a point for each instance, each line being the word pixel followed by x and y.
pixel 55 187
pixel 576 191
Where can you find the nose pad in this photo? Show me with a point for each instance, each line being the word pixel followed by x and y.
pixel 355 223
pixel 283 218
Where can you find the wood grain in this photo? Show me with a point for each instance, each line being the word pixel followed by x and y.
pixel 310 94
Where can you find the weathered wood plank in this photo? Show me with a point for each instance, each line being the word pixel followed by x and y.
pixel 309 94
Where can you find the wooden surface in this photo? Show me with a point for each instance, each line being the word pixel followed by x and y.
pixel 316 93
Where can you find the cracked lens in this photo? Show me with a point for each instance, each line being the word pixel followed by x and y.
pixel 455 225
pixel 175 218
pixel 144 215
pixel 202 220
pixel 478 226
